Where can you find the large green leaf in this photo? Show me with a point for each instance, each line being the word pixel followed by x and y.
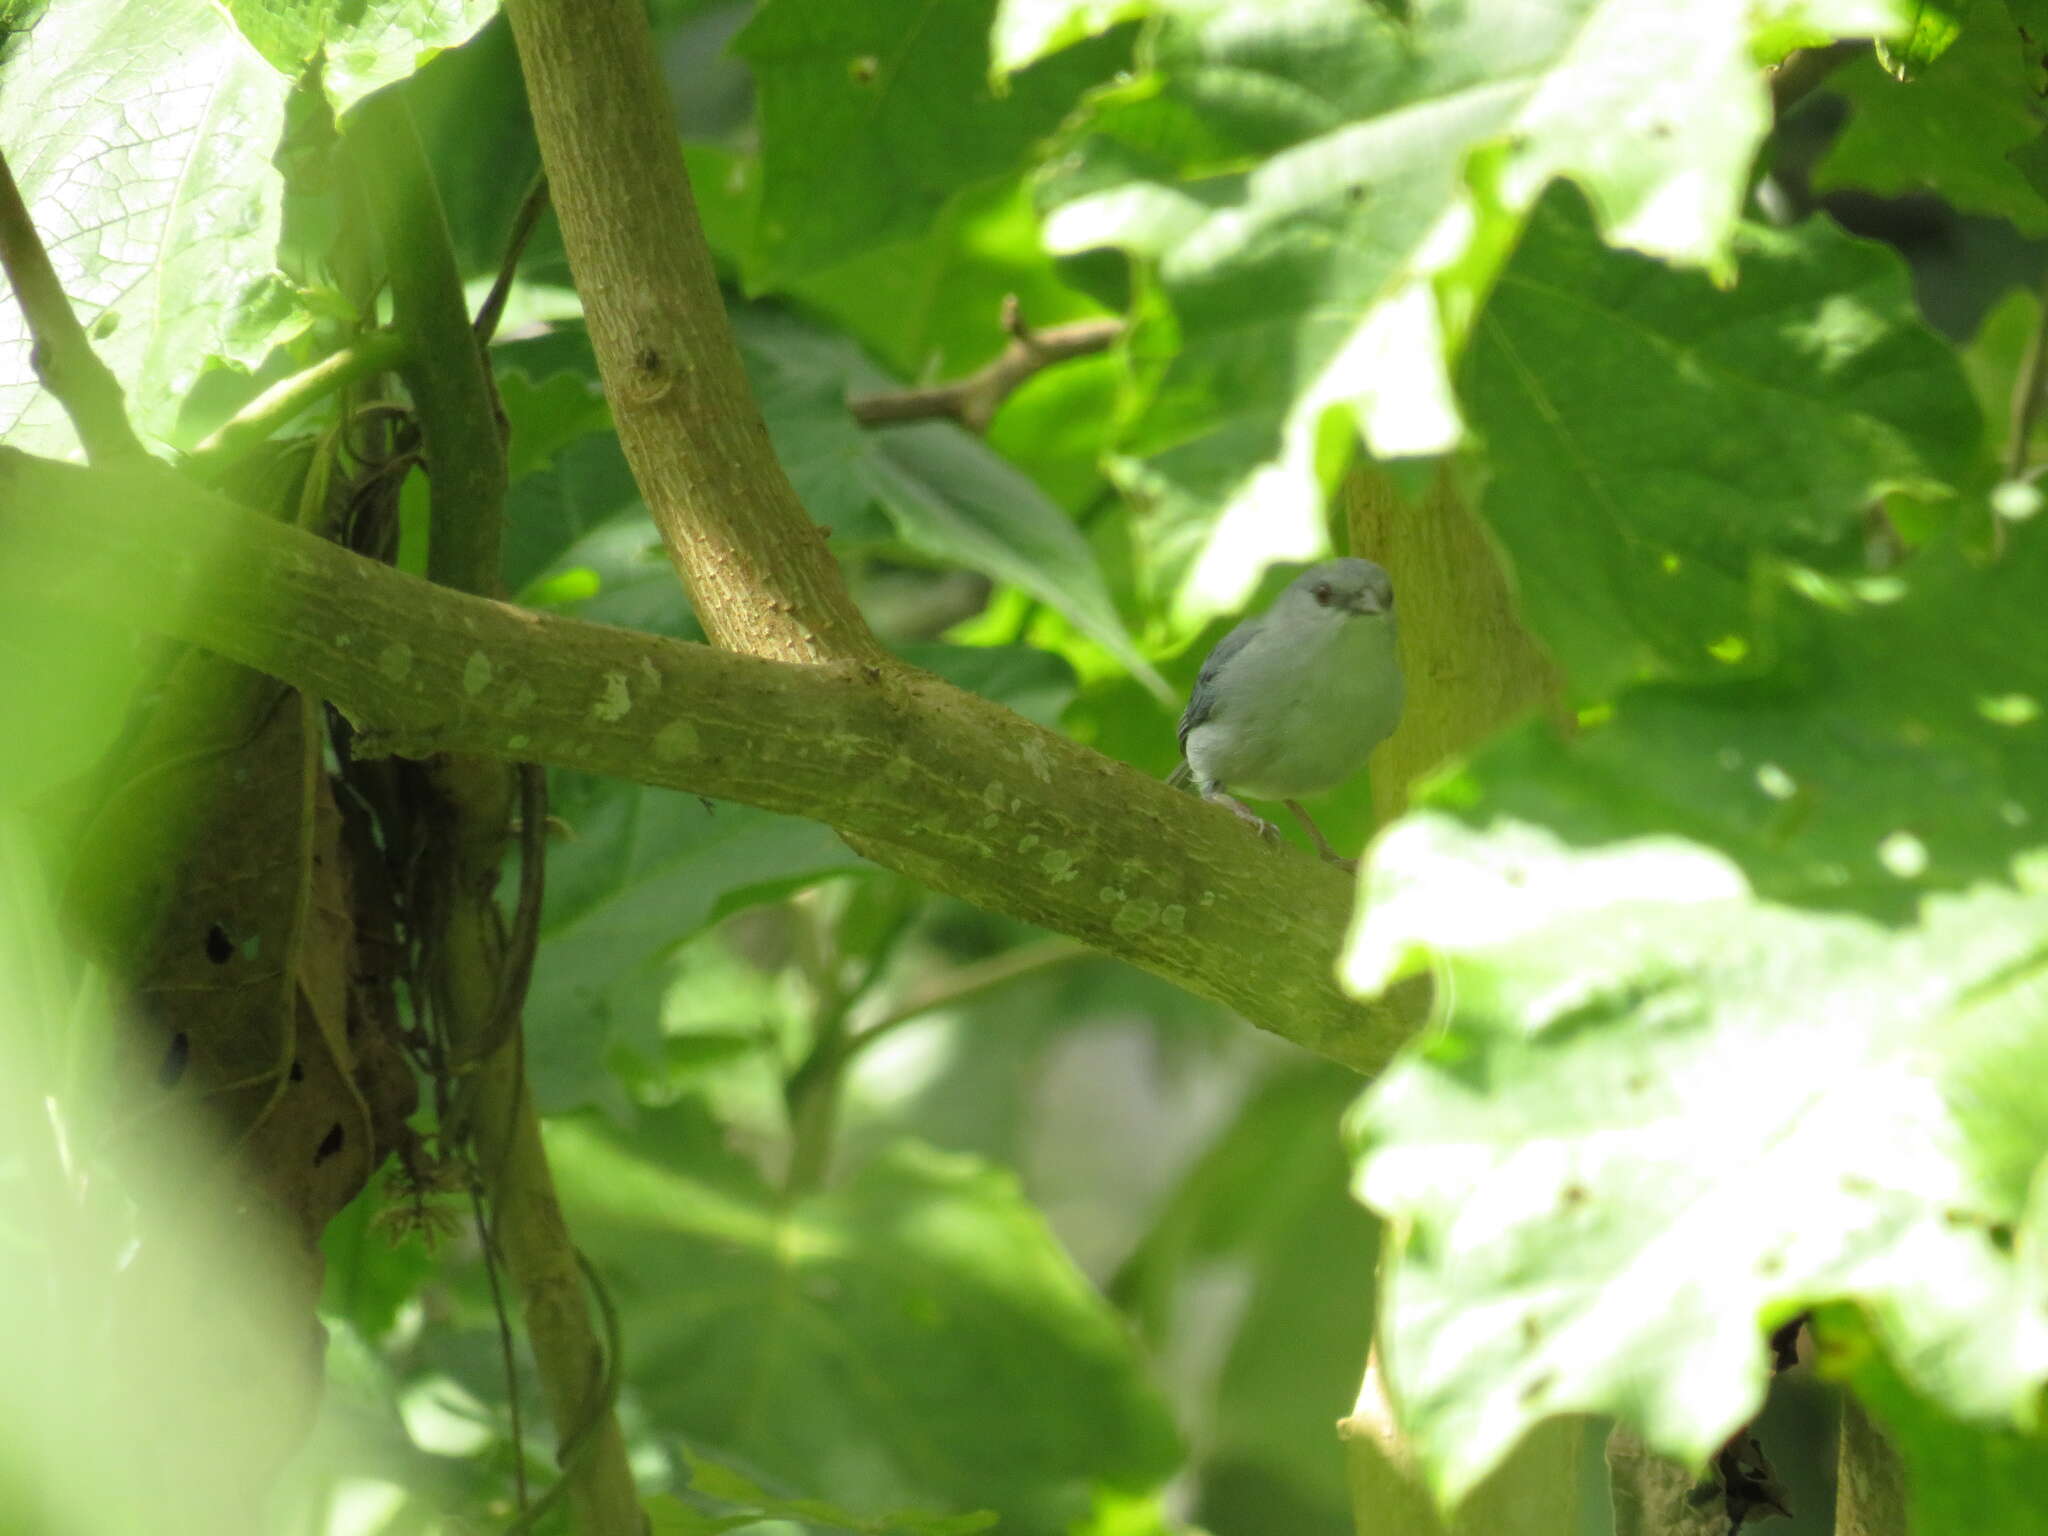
pixel 1647 433
pixel 1984 1478
pixel 362 44
pixel 1953 127
pixel 873 115
pixel 140 132
pixel 1325 194
pixel 1659 1118
pixel 1899 748
pixel 913 1337
pixel 947 493
pixel 639 871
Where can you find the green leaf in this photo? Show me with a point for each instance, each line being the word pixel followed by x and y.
pixel 1901 748
pixel 140 132
pixel 949 496
pixel 915 1336
pixel 362 44
pixel 640 871
pixel 873 115
pixel 1952 128
pixel 546 414
pixel 1659 1118
pixel 725 1484
pixel 1982 1478
pixel 1933 31
pixel 1026 31
pixel 1325 195
pixel 1647 433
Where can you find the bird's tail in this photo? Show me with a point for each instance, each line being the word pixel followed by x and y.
pixel 1181 776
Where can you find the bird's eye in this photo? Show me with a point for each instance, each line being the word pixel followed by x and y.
pixel 1321 591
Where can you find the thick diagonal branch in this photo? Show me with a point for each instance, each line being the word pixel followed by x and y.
pixel 952 790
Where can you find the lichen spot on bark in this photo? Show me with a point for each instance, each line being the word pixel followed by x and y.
pixel 616 702
pixel 1031 751
pixel 395 661
pixel 676 741
pixel 476 673
pixel 1135 916
pixel 1058 865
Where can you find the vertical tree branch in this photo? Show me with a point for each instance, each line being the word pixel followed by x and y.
pixel 63 356
pixel 476 977
pixel 756 566
pixel 1870 1484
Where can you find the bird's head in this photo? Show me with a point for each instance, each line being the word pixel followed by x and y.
pixel 1345 591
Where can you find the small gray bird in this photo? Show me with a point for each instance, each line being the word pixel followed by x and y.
pixel 1293 703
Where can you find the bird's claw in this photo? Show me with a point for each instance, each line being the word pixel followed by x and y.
pixel 1244 813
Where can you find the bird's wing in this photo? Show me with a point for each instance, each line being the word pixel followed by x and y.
pixel 1202 698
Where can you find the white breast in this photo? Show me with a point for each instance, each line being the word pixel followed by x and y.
pixel 1303 710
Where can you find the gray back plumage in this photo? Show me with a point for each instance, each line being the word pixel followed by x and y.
pixel 1202 698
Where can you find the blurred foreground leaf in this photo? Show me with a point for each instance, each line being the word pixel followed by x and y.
pixel 1661 1118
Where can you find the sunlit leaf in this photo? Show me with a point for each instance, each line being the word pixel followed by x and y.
pixel 1648 434
pixel 1326 193
pixel 361 44
pixel 1660 1118
pixel 140 132
pixel 900 90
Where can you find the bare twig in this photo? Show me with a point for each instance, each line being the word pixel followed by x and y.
pixel 63 357
pixel 974 400
pixel 524 222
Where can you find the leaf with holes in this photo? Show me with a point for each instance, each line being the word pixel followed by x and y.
pixel 1660 1118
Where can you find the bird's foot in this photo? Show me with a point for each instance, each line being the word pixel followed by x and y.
pixel 1244 813
pixel 1330 855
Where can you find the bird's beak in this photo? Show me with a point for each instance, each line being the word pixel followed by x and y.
pixel 1367 603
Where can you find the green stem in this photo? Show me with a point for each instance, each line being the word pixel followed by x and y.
pixel 479 972
pixel 444 367
pixel 259 420
pixel 966 983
